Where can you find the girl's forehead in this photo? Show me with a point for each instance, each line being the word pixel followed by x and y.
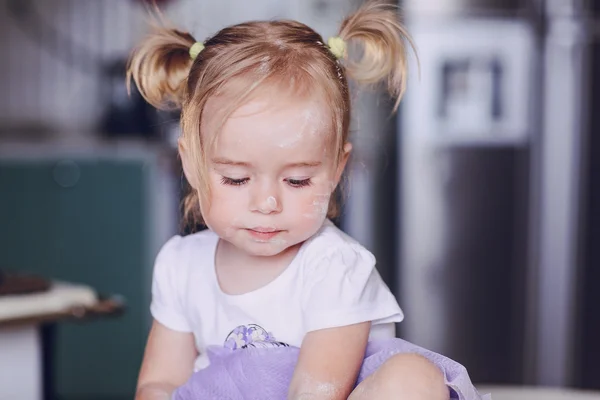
pixel 244 97
pixel 267 111
pixel 304 110
pixel 277 122
pixel 271 130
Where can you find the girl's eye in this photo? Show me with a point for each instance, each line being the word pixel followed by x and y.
pixel 299 182
pixel 234 182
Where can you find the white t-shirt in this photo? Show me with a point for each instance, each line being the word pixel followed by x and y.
pixel 331 282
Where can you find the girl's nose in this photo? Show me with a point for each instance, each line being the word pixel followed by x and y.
pixel 269 205
pixel 265 199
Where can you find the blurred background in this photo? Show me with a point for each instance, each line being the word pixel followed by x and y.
pixel 480 198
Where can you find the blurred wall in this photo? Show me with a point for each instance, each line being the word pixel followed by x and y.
pixel 55 53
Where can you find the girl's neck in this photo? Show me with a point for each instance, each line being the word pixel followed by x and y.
pixel 239 272
pixel 228 253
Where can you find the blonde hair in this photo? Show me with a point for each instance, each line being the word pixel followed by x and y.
pixel 283 53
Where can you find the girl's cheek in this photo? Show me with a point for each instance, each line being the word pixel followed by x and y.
pixel 316 204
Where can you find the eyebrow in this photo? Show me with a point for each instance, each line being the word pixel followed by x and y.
pixel 225 161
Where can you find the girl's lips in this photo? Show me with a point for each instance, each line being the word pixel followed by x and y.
pixel 264 233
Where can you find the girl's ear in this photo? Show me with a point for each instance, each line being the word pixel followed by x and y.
pixel 342 164
pixel 190 174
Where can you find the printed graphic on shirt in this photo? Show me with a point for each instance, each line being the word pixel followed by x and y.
pixel 251 336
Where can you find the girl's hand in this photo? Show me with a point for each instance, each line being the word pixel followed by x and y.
pixel 329 362
pixel 168 363
pixel 156 391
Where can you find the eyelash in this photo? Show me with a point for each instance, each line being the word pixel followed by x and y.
pixel 296 183
pixel 299 183
pixel 234 182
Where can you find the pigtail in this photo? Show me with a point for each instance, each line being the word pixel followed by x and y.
pixel 375 28
pixel 159 66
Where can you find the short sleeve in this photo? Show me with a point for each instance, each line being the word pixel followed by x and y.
pixel 344 288
pixel 168 286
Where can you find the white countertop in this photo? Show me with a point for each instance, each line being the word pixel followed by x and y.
pixel 60 297
pixel 529 393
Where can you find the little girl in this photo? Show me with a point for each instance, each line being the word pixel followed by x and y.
pixel 272 301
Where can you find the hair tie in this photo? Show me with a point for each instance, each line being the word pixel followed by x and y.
pixel 337 46
pixel 196 49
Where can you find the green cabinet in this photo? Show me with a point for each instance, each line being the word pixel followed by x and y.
pixel 98 217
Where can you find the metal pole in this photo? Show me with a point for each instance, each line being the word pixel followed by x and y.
pixel 560 191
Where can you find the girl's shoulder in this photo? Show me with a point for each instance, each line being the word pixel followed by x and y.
pixel 330 241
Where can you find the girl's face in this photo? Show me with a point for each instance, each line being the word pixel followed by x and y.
pixel 271 172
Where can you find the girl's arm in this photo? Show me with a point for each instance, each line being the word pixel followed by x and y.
pixel 329 362
pixel 168 363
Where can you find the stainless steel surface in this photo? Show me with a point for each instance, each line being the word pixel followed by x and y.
pixel 587 368
pixel 465 141
pixel 461 156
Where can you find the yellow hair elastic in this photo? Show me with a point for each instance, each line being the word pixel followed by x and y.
pixel 337 46
pixel 196 49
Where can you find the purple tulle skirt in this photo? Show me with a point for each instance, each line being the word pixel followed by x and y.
pixel 266 373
